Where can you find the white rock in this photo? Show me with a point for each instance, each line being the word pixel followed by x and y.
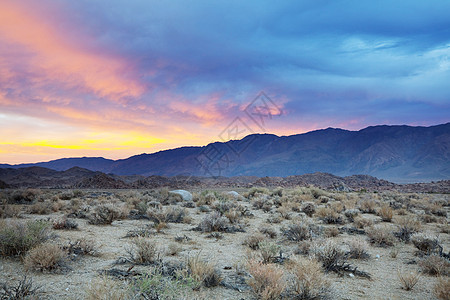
pixel 377 256
pixel 351 275
pixel 185 195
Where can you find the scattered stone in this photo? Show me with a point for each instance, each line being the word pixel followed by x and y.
pixel 185 195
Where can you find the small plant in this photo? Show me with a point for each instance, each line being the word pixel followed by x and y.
pixel 268 231
pixel 309 208
pixel 368 206
pixel 104 214
pixel 266 280
pixel 45 257
pixel 442 288
pixel 213 222
pixel 435 265
pixel 351 214
pixel 358 249
pixel 406 227
pixel 204 272
pixel 386 213
pixel 253 240
pixel 16 238
pixel 425 243
pixel 297 231
pixel 22 290
pixel 329 216
pixel 268 251
pixel 65 223
pixel 361 222
pixel 380 236
pixel 81 247
pixel 172 214
pixel 144 251
pixel 173 249
pixel 10 211
pixel 408 279
pixel 105 288
pixel 309 282
pixel 329 254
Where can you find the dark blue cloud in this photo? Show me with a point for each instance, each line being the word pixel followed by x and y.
pixel 376 61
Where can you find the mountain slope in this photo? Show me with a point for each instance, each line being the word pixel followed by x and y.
pixel 396 153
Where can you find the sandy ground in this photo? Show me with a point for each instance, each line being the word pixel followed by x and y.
pixel 226 253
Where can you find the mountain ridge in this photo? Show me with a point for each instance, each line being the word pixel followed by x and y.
pixel 398 153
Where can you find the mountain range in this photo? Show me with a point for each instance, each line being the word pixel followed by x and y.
pixel 396 153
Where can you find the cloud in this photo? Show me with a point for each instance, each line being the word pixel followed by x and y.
pixel 181 73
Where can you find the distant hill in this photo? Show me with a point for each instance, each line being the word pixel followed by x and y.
pixel 395 153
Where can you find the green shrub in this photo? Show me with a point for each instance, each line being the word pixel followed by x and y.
pixel 16 238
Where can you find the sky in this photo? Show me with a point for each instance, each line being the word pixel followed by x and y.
pixel 118 78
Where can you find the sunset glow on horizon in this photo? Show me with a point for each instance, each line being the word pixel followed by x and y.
pixel 116 79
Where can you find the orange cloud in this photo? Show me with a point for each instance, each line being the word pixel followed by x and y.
pixel 51 52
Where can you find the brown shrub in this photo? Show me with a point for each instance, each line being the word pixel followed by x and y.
pixel 309 208
pixel 204 272
pixel 328 215
pixel 16 238
pixel 105 214
pixel 426 243
pixel 361 222
pixel 10 211
pixel 435 265
pixel 144 251
pixel 368 206
pixel 358 249
pixel 408 279
pixel 386 213
pixel 442 288
pixel 253 240
pixel 267 280
pixel 380 236
pixel 309 281
pixel 45 257
pixel 407 225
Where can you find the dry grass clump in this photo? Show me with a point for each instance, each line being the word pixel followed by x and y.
pixel 16 238
pixel 45 257
pixel 362 222
pixel 105 288
pixel 41 208
pixel 308 280
pixel 380 235
pixel 386 213
pixel 253 240
pixel 203 271
pixel 23 289
pixel 297 231
pixel 268 251
pixel 81 246
pixel 105 214
pixel 10 211
pixel 309 208
pixel 171 214
pixel 27 196
pixel 426 243
pixel 358 249
pixel 213 222
pixel 328 253
pixel 328 215
pixel 368 206
pixel 351 214
pixel 442 288
pixel 269 232
pixel 65 223
pixel 144 251
pixel 262 202
pixel 266 280
pixel 407 225
pixel 408 279
pixel 435 265
pixel 173 249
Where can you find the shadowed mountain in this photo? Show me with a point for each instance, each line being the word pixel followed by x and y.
pixel 395 153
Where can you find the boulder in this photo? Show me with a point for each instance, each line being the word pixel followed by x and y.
pixel 185 195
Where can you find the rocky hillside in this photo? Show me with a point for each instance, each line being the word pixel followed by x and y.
pixel 400 154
